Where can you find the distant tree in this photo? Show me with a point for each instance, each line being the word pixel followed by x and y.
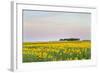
pixel 61 40
pixel 70 39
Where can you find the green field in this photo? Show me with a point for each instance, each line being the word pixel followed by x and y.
pixel 56 51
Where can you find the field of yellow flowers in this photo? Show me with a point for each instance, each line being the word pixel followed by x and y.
pixel 56 51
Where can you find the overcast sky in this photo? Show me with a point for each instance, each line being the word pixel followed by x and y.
pixel 51 26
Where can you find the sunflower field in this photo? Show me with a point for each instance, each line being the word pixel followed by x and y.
pixel 56 51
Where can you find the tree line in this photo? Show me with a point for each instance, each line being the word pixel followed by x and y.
pixel 70 39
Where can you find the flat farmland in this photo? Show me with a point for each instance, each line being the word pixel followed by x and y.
pixel 56 51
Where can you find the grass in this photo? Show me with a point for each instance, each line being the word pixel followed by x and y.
pixel 56 51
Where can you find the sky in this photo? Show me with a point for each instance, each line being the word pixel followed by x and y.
pixel 52 26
